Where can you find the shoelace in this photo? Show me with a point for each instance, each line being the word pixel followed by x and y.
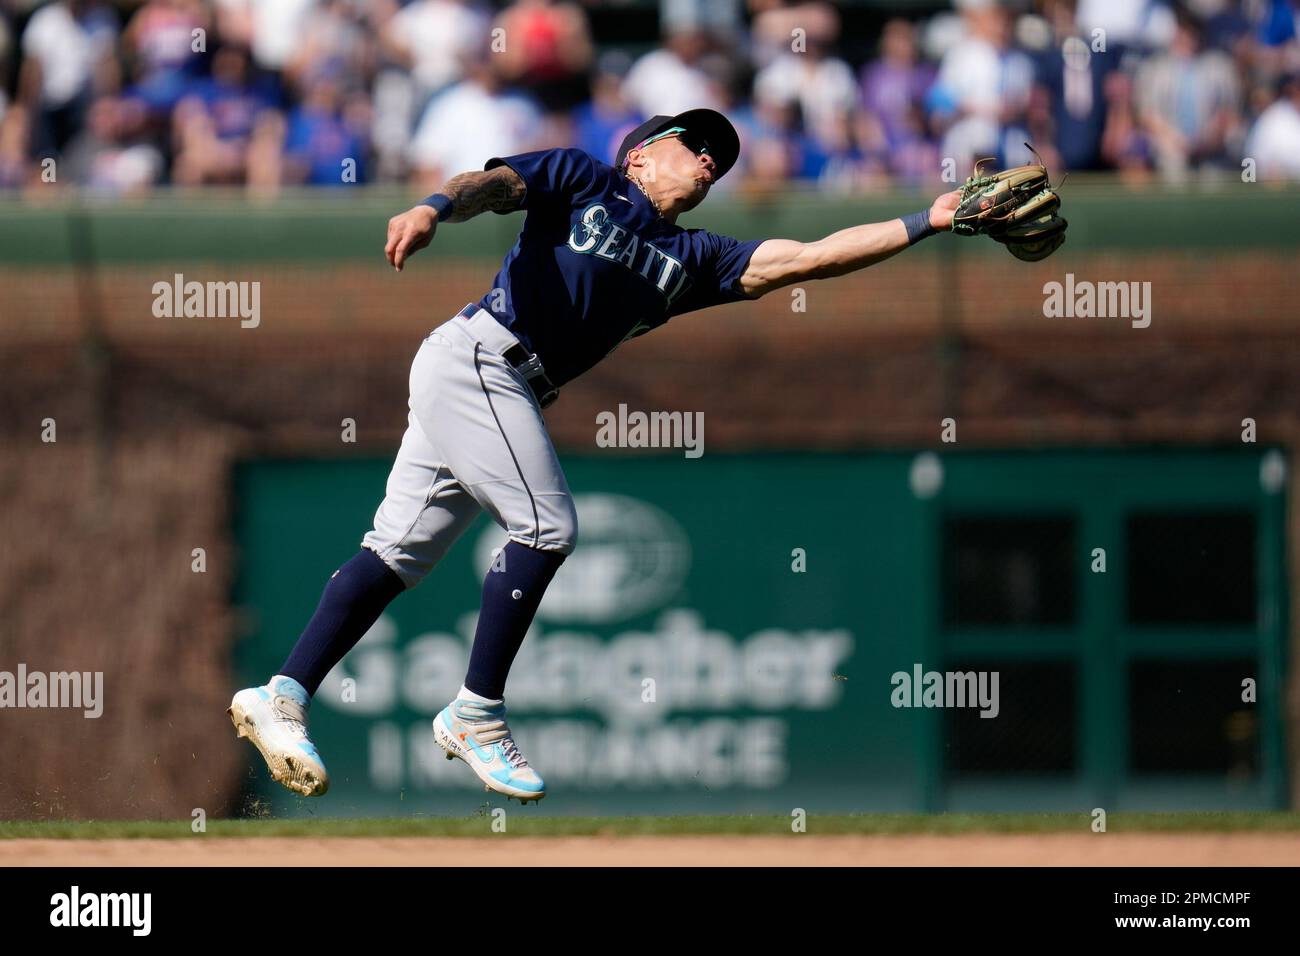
pixel 490 728
pixel 513 756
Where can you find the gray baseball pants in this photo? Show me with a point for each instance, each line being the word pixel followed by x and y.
pixel 475 441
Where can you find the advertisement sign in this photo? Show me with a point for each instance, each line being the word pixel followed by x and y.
pixel 707 647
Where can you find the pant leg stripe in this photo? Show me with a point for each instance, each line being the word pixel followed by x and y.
pixel 537 521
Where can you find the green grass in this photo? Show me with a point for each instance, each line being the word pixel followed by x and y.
pixel 529 822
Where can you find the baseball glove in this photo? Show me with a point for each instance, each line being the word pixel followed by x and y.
pixel 1017 207
pixel 1035 239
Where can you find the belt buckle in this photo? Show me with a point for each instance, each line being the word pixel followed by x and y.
pixel 530 367
pixel 534 374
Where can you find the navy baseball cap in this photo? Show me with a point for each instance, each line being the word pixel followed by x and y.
pixel 702 128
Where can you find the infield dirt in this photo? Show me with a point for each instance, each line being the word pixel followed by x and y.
pixel 1104 849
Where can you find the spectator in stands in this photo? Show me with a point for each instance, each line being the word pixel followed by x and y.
pixel 472 122
pixel 333 37
pixel 982 90
pixel 1275 22
pixel 15 132
pixel 1223 23
pixel 271 29
pixel 1274 140
pixel 434 39
pixel 601 123
pixel 1072 79
pixel 669 80
pixel 1273 32
pixel 777 23
pixel 547 53
pixel 774 147
pixel 1124 144
pixel 68 57
pixel 718 19
pixel 1188 102
pixel 893 123
pixel 1132 85
pixel 785 150
pixel 820 84
pixel 214 126
pixel 159 43
pixel 1124 24
pixel 109 155
pixel 393 96
pixel 729 82
pixel 324 143
pixel 6 47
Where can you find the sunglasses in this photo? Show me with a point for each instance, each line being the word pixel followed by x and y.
pixel 696 144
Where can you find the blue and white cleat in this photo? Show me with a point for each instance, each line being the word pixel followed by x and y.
pixel 274 718
pixel 478 734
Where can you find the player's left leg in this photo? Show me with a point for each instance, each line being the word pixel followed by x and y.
pixel 498 448
pixel 473 726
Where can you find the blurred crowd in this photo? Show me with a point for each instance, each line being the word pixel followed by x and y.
pixel 129 95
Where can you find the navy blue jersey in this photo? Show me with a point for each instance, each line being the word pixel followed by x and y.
pixel 595 265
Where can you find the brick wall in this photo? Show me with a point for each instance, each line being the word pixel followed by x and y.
pixel 98 527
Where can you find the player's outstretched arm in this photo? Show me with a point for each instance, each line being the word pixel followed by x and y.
pixel 781 262
pixel 463 197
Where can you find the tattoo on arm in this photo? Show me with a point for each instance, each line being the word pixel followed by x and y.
pixel 498 189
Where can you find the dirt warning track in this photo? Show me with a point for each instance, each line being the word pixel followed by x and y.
pixel 1093 849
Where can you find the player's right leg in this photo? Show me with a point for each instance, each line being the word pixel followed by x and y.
pixel 423 512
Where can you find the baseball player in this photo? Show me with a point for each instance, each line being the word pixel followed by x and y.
pixel 600 259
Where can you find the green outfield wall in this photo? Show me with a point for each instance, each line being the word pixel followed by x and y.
pixel 347 224
pixel 717 644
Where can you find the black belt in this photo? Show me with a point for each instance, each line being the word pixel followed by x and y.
pixel 526 364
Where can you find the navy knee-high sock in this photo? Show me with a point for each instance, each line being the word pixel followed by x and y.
pixel 511 592
pixel 352 601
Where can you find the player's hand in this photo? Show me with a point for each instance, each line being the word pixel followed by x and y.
pixel 942 210
pixel 408 233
